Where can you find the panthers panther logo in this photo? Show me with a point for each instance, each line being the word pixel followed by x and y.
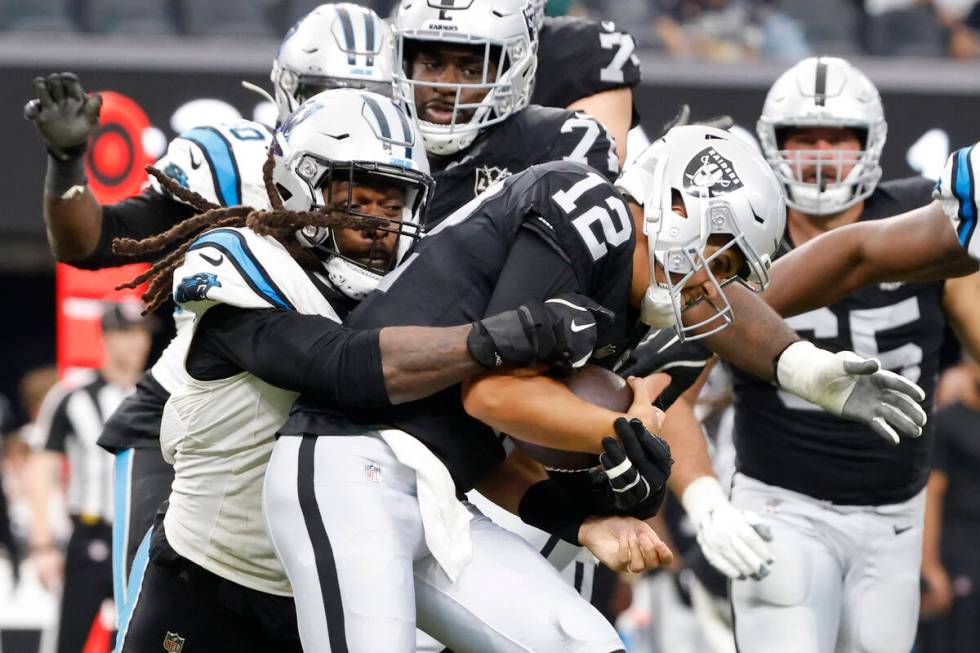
pixel 196 287
pixel 176 173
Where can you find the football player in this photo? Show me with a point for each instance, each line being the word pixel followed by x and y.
pixel 840 504
pixel 935 241
pixel 554 226
pixel 222 164
pixel 606 70
pixel 466 72
pixel 266 324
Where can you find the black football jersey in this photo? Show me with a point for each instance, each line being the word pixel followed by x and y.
pixel 454 276
pixel 531 136
pixel 579 57
pixel 782 440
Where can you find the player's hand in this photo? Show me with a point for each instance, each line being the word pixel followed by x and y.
pixel 734 541
pixel 49 565
pixel 637 467
pixel 660 352
pixel 853 387
pixel 937 591
pixel 561 331
pixel 64 114
pixel 624 543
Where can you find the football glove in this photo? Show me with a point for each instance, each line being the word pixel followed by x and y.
pixel 853 387
pixel 637 467
pixel 732 540
pixel 660 352
pixel 64 115
pixel 561 331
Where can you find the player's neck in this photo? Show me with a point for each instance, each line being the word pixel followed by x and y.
pixel 803 227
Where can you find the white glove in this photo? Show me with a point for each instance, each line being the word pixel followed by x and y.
pixel 853 387
pixel 732 540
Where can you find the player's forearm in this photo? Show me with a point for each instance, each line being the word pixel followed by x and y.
pixel 755 339
pixel 688 446
pixel 539 410
pixel 510 480
pixel 73 225
pixel 41 480
pixel 933 524
pixel 420 361
pixel 961 302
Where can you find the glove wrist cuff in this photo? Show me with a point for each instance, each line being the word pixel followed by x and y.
pixel 795 365
pixel 548 506
pixel 701 496
pixel 64 174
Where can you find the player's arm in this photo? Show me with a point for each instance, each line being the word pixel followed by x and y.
pixel 937 593
pixel 43 474
pixel 614 109
pixel 961 302
pixel 916 246
pixel 522 486
pixel 79 229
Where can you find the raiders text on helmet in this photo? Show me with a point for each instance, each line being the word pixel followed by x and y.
pixel 824 92
pixel 502 28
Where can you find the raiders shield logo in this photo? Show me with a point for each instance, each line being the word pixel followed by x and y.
pixel 487 175
pixel 711 171
pixel 173 643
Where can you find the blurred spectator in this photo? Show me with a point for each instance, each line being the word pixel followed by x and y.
pixel 729 30
pixel 903 28
pixel 950 567
pixel 7 544
pixel 964 33
pixel 85 570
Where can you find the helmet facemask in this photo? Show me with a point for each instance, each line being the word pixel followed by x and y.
pixel 353 277
pixel 507 88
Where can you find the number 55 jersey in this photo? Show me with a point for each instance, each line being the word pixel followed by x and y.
pixel 785 441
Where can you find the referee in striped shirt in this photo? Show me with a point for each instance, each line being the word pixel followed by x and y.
pixel 70 432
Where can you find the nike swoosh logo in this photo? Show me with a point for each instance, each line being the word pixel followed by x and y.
pixel 899 530
pixel 580 327
pixel 214 261
pixel 194 163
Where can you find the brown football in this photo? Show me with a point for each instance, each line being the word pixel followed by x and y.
pixel 596 385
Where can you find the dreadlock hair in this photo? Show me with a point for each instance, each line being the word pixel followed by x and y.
pixel 279 223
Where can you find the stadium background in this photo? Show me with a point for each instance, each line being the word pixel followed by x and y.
pixel 182 61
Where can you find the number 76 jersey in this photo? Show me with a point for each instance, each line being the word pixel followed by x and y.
pixel 783 440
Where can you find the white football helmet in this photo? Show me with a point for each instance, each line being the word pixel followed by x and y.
pixel 501 27
pixel 350 135
pixel 726 188
pixel 337 45
pixel 537 13
pixel 824 92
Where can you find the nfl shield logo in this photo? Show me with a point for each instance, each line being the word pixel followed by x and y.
pixel 173 643
pixel 487 175
pixel 372 473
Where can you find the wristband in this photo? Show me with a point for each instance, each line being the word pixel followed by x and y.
pixel 63 175
pixel 481 347
pixel 548 506
pixel 701 496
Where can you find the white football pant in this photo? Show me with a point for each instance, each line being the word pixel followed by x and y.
pixel 845 578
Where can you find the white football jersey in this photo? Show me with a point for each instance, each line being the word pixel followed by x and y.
pixel 223 164
pixel 959 191
pixel 219 434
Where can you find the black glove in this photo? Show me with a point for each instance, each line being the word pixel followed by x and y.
pixel 64 115
pixel 660 352
pixel 637 467
pixel 561 331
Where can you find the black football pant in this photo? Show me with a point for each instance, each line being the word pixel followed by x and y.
pixel 88 582
pixel 180 607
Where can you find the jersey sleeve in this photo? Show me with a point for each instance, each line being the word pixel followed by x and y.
pixel 222 267
pixel 580 57
pixel 59 428
pixel 310 354
pixel 138 217
pixel 583 139
pixel 959 191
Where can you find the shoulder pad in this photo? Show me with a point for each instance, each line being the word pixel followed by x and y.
pixel 232 266
pixel 222 162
